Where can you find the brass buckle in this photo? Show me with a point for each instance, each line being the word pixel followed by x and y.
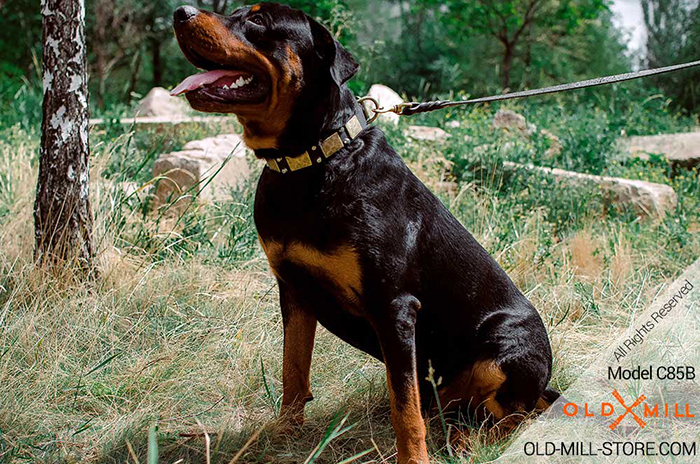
pixel 375 115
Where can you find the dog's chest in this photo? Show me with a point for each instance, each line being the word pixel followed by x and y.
pixel 338 271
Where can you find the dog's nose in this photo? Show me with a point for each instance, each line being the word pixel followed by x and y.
pixel 185 13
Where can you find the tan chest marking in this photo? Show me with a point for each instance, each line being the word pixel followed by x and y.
pixel 342 266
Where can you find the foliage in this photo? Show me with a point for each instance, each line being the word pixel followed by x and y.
pixel 422 48
pixel 482 47
pixel 518 24
pixel 21 26
pixel 673 38
pixel 131 47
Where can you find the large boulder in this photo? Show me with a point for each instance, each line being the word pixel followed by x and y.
pixel 682 150
pixel 648 198
pixel 197 170
pixel 386 98
pixel 158 102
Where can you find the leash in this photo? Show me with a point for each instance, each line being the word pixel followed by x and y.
pixel 411 108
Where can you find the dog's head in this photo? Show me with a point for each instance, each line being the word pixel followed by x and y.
pixel 259 62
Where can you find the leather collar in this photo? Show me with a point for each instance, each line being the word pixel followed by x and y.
pixel 324 149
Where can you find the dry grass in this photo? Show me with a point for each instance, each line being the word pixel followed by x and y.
pixel 195 346
pixel 86 367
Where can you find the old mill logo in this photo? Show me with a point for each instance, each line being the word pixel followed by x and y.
pixel 621 410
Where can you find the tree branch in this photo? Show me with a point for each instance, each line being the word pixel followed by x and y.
pixel 527 19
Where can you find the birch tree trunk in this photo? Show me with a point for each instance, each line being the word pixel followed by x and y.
pixel 62 216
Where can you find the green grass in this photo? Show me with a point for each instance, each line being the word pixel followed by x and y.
pixel 174 350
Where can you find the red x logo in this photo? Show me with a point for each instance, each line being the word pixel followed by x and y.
pixel 628 410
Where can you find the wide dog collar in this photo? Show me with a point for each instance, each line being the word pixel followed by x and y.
pixel 324 149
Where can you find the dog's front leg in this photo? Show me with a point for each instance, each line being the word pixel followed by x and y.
pixel 299 333
pixel 395 327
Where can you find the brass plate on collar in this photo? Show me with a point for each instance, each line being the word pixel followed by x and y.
pixel 298 162
pixel 273 165
pixel 353 127
pixel 331 145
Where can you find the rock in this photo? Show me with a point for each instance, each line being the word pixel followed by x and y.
pixel 386 98
pixel 648 198
pixel 682 150
pixel 220 146
pixel 158 102
pixel 193 168
pixel 510 120
pixel 454 124
pixel 432 134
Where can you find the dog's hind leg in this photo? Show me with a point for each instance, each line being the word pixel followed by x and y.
pixel 395 327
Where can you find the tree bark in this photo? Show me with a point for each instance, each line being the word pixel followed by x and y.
pixel 136 66
pixel 62 215
pixel 157 63
pixel 507 64
pixel 154 46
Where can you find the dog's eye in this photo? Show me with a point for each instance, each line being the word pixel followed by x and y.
pixel 257 19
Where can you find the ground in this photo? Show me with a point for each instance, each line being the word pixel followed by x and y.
pixel 181 330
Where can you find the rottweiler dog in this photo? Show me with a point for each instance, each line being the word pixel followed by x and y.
pixel 355 240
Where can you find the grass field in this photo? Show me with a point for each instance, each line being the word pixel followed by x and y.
pixel 180 332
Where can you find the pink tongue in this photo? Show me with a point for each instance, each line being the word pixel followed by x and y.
pixel 199 80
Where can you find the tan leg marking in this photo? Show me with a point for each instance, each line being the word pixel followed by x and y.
pixel 299 334
pixel 273 251
pixel 542 404
pixel 407 420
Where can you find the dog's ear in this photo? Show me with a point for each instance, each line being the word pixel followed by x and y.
pixel 341 63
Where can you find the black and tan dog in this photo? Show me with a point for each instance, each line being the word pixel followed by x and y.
pixel 355 240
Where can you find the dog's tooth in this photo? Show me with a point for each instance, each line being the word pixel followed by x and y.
pixel 234 85
pixel 240 81
pixel 225 87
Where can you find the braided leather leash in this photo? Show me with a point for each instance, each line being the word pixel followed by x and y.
pixel 411 108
